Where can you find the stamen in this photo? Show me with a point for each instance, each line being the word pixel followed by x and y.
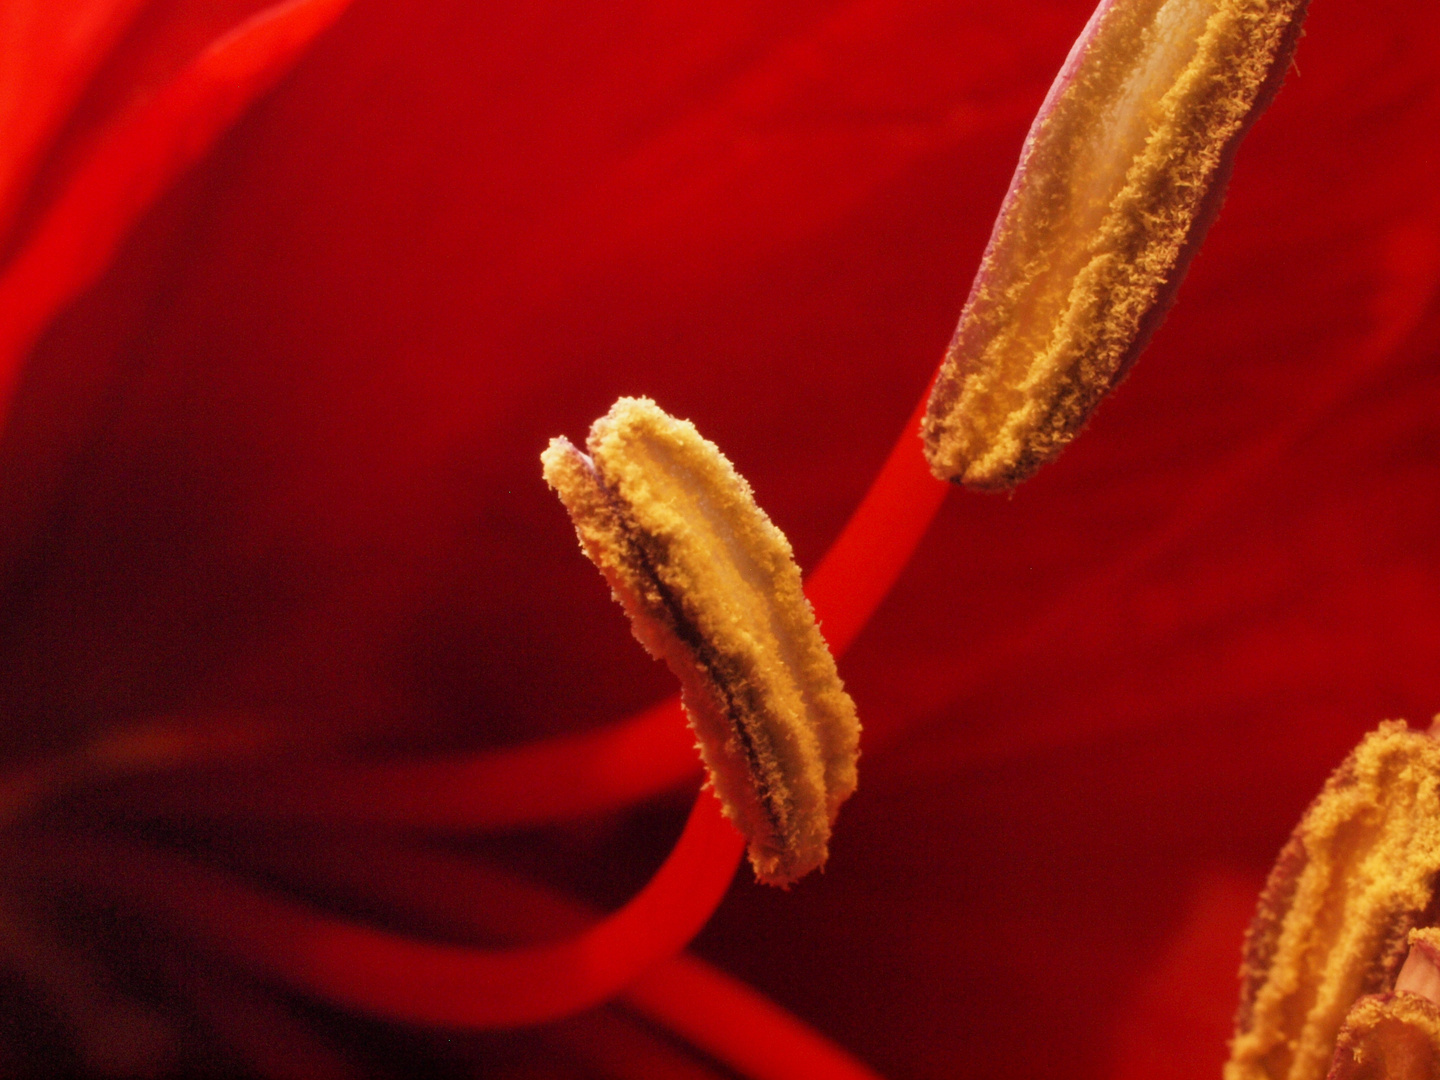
pixel 1121 176
pixel 711 587
pixel 588 772
pixel 1334 920
pixel 1389 1037
pixel 1396 1036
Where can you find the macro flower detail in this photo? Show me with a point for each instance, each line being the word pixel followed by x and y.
pixel 1336 918
pixel 1121 176
pixel 1389 1037
pixel 325 757
pixel 711 587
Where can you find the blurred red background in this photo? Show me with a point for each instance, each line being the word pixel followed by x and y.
pixel 283 458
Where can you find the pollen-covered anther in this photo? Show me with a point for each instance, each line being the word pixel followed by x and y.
pixel 1323 988
pixel 1396 1036
pixel 711 587
pixel 1118 181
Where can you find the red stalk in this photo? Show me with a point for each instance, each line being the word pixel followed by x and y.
pixel 419 982
pixel 709 1008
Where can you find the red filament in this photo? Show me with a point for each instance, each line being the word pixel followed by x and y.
pixel 411 980
pixel 421 982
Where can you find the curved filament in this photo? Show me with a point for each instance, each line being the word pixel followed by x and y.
pixel 403 979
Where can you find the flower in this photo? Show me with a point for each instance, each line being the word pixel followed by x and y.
pixel 272 495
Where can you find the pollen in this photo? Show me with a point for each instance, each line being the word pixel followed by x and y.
pixel 1119 179
pixel 1389 1037
pixel 1334 923
pixel 711 587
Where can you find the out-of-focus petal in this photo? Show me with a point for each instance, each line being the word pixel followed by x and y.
pixel 51 52
pixel 435 351
pixel 153 108
pixel 71 74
